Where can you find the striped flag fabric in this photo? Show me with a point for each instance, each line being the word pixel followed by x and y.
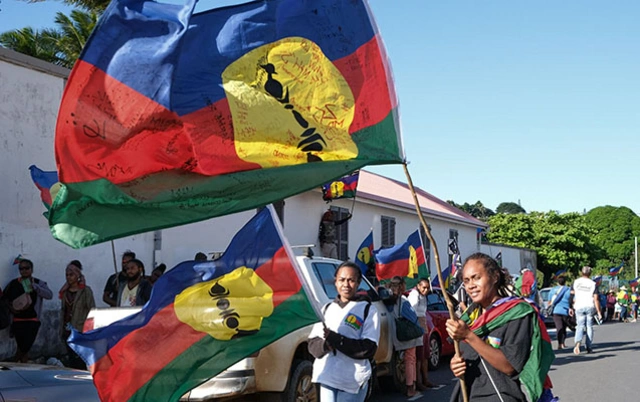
pixel 406 260
pixel 344 187
pixel 202 318
pixel 615 271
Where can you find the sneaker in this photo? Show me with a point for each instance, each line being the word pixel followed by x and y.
pixel 576 349
pixel 589 350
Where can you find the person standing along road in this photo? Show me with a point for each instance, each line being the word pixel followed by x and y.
pixel 418 300
pixel 344 343
pixel 560 296
pixel 25 295
pixel 622 299
pixel 611 304
pixel 110 293
pixel 77 300
pixel 584 304
pixel 136 290
pixel 503 348
pixel 402 308
pixel 327 233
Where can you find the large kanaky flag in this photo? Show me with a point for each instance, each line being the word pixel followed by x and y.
pixel 406 260
pixel 171 117
pixel 202 318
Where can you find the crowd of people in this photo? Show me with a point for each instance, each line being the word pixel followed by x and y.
pixel 23 299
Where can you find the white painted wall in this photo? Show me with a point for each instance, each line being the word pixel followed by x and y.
pixel 29 101
pixel 513 258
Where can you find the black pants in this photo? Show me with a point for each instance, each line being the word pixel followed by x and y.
pixel 25 333
pixel 562 323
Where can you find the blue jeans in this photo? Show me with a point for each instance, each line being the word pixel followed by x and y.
pixel 584 317
pixel 330 394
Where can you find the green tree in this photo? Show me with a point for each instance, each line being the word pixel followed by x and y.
pixel 560 241
pixel 89 5
pixel 40 44
pixel 477 210
pixel 615 229
pixel 61 46
pixel 510 208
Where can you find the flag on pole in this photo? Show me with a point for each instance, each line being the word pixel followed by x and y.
pixel 344 187
pixel 406 260
pixel 47 183
pixel 634 282
pixel 562 272
pixel 202 318
pixel 615 271
pixel 446 276
pixel 364 256
pixel 597 280
pixel 455 265
pixel 17 260
pixel 171 117
pixel 498 259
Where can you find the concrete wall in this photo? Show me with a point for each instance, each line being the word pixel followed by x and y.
pixel 29 98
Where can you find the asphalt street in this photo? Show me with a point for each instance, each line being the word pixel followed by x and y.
pixel 610 373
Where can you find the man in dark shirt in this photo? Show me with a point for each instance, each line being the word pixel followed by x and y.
pixel 113 283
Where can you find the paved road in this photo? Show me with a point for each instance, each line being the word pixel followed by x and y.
pixel 582 378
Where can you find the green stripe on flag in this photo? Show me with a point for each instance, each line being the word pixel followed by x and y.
pixel 88 213
pixel 209 357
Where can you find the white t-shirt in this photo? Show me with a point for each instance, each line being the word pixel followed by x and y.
pixel 418 302
pixel 129 296
pixel 583 289
pixel 341 371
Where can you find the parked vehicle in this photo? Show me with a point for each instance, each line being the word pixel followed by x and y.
pixel 38 382
pixel 545 295
pixel 282 370
pixel 440 344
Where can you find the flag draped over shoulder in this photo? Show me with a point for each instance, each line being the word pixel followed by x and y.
pixel 615 271
pixel 171 117
pixel 527 284
pixel 47 183
pixel 344 187
pixel 202 318
pixel 534 373
pixel 364 256
pixel 406 260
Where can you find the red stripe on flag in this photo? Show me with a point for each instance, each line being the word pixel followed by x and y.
pixel 391 269
pixel 118 376
pixel 280 275
pixel 420 256
pixel 363 70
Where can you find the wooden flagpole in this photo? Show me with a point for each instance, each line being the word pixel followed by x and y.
pixel 447 299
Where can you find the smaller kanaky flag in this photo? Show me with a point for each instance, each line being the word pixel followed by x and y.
pixel 364 256
pixel 562 272
pixel 446 276
pixel 344 187
pixel 597 280
pixel 47 183
pixel 615 271
pixel 455 264
pixel 406 260
pixel 17 260
pixel 634 282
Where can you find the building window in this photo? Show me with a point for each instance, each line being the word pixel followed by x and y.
pixel 388 231
pixel 342 232
pixel 453 245
pixel 426 246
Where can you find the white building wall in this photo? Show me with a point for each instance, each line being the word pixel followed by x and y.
pixel 29 102
pixel 513 258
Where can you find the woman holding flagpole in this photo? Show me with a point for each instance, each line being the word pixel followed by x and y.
pixel 505 345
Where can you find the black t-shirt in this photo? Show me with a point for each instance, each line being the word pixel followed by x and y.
pixel 514 340
pixel 112 287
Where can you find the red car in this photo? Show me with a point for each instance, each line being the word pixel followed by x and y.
pixel 437 314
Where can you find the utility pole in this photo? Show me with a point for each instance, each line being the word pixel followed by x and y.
pixel 636 255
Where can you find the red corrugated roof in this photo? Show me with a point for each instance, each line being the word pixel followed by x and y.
pixel 383 189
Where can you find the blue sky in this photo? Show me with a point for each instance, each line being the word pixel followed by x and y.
pixel 501 100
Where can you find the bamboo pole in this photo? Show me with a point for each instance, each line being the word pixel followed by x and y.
pixel 447 299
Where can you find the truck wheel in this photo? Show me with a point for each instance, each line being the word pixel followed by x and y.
pixel 435 352
pixel 300 388
pixel 397 372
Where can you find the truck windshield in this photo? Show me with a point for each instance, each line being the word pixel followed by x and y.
pixel 326 272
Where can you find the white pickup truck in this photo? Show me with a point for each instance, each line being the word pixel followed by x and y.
pixel 282 370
